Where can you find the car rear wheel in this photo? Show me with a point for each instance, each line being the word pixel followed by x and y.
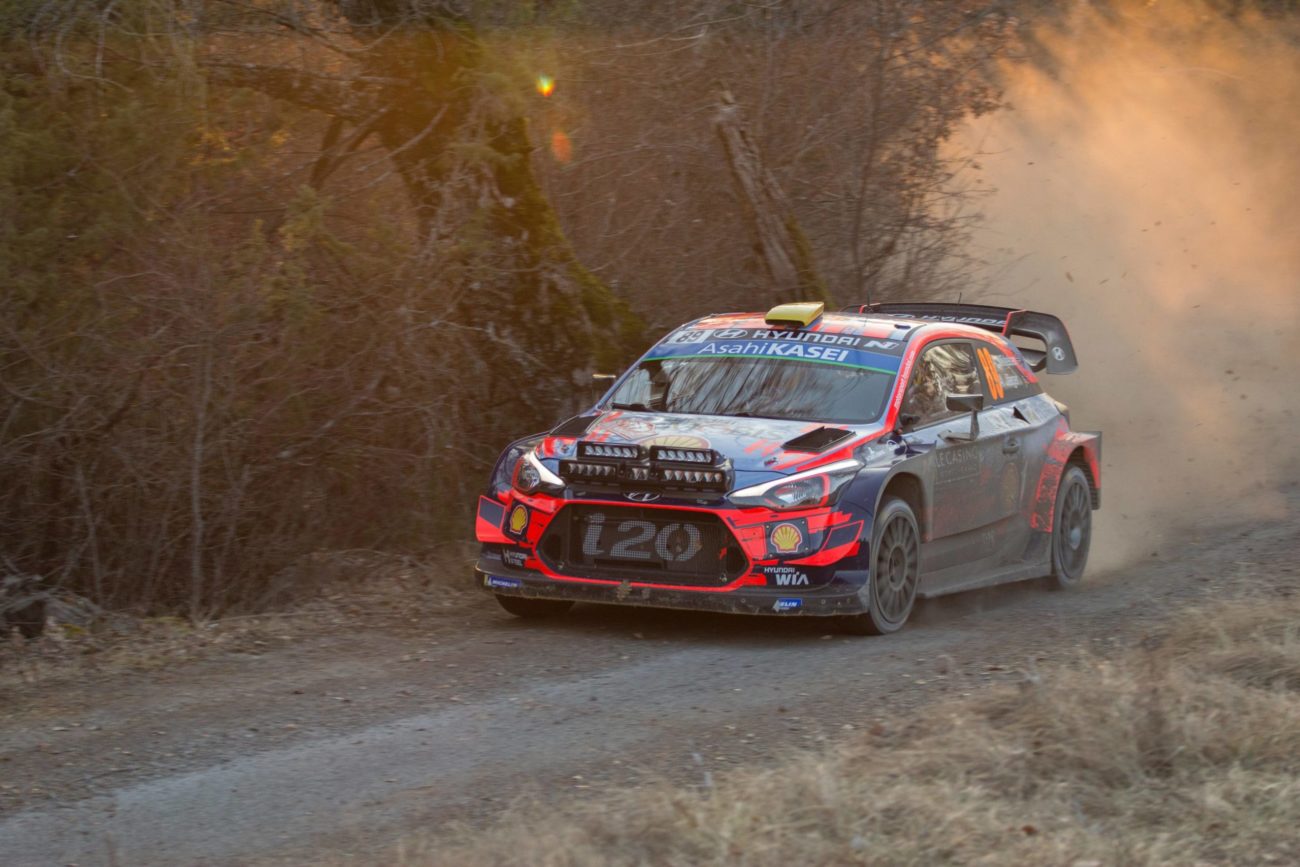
pixel 1071 529
pixel 895 570
pixel 534 609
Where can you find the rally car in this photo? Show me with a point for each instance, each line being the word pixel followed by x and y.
pixel 803 463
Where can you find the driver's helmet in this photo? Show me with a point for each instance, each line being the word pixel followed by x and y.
pixel 925 396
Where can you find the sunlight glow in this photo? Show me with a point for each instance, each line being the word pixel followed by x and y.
pixel 545 85
pixel 561 147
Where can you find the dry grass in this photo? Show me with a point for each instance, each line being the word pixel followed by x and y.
pixel 1184 751
pixel 323 594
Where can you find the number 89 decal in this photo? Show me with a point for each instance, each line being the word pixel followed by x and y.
pixel 673 543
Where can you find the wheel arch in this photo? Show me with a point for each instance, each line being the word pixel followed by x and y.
pixel 907 486
pixel 1081 458
pixel 1069 448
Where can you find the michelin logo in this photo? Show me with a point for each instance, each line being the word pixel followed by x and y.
pixel 503 583
pixel 787 605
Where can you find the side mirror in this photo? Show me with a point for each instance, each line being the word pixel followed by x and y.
pixel 965 402
pixel 971 403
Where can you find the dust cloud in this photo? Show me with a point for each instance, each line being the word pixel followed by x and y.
pixel 1148 191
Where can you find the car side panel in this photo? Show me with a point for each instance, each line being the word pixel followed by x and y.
pixel 1065 443
pixel 1004 482
pixel 968 510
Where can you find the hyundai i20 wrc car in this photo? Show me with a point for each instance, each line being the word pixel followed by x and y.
pixel 804 463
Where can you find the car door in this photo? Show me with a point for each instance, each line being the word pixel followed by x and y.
pixel 955 468
pixel 1015 410
pixel 953 460
pixel 1006 429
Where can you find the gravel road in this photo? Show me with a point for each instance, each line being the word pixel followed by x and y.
pixel 343 742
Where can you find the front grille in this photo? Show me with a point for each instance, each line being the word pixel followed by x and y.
pixel 655 546
pixel 669 469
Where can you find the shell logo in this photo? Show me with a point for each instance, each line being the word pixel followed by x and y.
pixel 518 519
pixel 786 538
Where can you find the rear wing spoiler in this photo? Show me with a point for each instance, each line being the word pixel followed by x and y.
pixel 1057 356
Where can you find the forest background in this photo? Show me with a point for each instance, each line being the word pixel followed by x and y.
pixel 284 276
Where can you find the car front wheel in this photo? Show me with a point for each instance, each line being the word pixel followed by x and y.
pixel 895 570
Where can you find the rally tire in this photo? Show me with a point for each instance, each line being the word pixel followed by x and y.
pixel 1071 529
pixel 895 572
pixel 534 609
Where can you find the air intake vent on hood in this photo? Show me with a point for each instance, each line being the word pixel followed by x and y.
pixel 818 440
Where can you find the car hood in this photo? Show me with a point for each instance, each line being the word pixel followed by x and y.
pixel 752 444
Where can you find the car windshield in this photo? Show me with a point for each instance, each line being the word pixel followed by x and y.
pixel 759 387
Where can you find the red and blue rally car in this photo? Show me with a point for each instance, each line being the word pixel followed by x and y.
pixel 804 463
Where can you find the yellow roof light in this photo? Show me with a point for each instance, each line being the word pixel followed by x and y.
pixel 798 315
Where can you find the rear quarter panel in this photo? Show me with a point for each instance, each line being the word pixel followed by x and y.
pixel 1084 447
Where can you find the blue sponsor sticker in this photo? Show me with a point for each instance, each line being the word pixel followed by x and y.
pixel 503 583
pixel 787 605
pixel 825 348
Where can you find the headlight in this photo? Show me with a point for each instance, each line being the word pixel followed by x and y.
pixel 819 487
pixel 526 479
pixel 531 474
pixel 503 473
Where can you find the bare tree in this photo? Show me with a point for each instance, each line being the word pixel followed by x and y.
pixel 283 276
pixel 784 247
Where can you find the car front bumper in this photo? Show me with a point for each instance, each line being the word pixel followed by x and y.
pixel 838 598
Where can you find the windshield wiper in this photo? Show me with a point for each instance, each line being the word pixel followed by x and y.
pixel 635 407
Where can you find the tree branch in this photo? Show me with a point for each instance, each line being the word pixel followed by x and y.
pixel 352 99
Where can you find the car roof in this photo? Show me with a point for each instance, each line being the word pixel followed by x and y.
pixel 874 325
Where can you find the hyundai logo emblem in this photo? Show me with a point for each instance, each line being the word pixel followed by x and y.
pixel 642 496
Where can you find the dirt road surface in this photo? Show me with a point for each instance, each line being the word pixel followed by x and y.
pixel 341 743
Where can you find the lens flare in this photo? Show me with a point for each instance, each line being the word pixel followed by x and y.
pixel 561 147
pixel 545 85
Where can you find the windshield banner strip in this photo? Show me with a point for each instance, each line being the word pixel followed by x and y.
pixel 825 338
pixel 840 355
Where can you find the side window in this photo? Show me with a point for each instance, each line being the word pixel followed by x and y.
pixel 942 369
pixel 1006 381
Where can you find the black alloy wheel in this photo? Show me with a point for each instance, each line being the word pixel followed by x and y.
pixel 1071 528
pixel 896 569
pixel 534 609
